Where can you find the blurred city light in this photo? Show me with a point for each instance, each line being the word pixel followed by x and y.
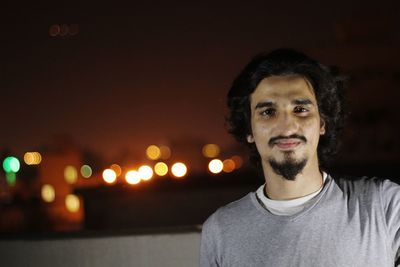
pixel 179 169
pixel 72 203
pixel 153 152
pixel 86 171
pixel 109 176
pixel 229 165
pixel 117 169
pixel 165 152
pixel 161 168
pixel 64 29
pixel 70 174
pixel 238 161
pixel 210 151
pixel 48 193
pixel 11 164
pixel 132 177
pixel 54 30
pixel 145 172
pixel 11 178
pixel 32 158
pixel 215 166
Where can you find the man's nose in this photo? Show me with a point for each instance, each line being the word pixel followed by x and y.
pixel 287 124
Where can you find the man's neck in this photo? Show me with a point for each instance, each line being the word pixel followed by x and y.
pixel 308 181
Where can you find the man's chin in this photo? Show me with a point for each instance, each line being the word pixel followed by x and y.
pixel 288 168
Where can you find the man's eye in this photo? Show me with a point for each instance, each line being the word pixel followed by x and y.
pixel 268 112
pixel 300 110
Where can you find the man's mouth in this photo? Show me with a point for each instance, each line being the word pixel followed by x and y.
pixel 287 144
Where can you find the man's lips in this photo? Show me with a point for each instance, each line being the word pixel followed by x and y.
pixel 287 144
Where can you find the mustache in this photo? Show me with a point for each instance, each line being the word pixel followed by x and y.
pixel 281 137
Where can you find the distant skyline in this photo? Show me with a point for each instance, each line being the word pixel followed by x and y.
pixel 146 73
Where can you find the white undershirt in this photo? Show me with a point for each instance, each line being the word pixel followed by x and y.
pixel 286 207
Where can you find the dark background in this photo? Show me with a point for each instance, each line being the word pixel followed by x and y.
pixel 158 72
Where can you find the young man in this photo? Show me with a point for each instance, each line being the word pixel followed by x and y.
pixel 288 109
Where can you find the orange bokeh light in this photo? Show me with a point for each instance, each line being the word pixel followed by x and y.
pixel 229 165
pixel 161 168
pixel 117 169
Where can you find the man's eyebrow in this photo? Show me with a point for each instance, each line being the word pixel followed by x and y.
pixel 264 104
pixel 302 102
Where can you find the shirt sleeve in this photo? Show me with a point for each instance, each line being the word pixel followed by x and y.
pixel 390 194
pixel 208 247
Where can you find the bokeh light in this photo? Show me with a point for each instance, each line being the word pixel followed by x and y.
pixel 238 161
pixel 11 164
pixel 109 176
pixel 54 30
pixel 145 172
pixel 86 171
pixel 210 150
pixel 179 169
pixel 70 174
pixel 48 193
pixel 161 168
pixel 229 165
pixel 165 152
pixel 32 158
pixel 117 169
pixel 215 166
pixel 72 203
pixel 64 29
pixel 11 178
pixel 153 152
pixel 132 177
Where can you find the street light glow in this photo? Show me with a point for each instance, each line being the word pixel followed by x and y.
pixel 210 150
pixel 153 152
pixel 132 177
pixel 145 172
pixel 32 158
pixel 179 169
pixel 161 168
pixel 215 166
pixel 72 203
pixel 70 174
pixel 48 193
pixel 109 176
pixel 229 165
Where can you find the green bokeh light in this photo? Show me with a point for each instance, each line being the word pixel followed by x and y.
pixel 11 164
pixel 11 178
pixel 86 171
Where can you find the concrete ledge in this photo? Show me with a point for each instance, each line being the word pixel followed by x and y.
pixel 176 248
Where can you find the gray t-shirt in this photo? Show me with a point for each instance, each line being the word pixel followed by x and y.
pixel 350 223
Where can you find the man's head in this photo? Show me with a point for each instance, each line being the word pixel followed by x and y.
pixel 288 109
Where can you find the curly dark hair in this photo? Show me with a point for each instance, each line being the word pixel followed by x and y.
pixel 328 87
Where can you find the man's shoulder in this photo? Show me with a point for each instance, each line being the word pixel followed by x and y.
pixel 232 211
pixel 365 184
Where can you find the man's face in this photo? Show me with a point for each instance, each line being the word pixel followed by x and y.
pixel 285 123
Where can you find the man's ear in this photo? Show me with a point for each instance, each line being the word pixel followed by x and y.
pixel 250 138
pixel 322 127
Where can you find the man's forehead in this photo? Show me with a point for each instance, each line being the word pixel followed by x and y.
pixel 288 86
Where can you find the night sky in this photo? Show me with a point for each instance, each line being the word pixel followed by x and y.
pixel 146 73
